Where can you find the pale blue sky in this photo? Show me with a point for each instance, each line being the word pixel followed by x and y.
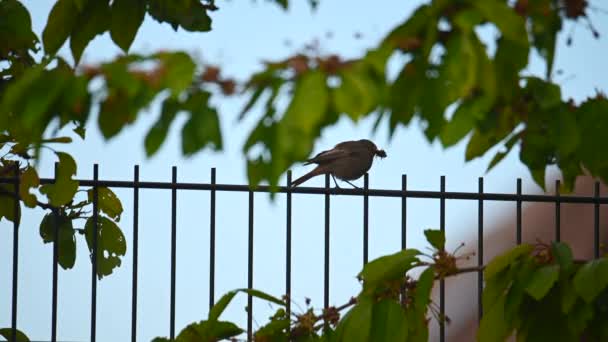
pixel 245 33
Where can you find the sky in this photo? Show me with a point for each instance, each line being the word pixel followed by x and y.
pixel 245 33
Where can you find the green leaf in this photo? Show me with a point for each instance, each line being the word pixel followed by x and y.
pixel 388 267
pixel 81 131
pixel 544 28
pixel 504 260
pixel 60 140
pixel 356 94
pixel 546 94
pixel 178 72
pixel 389 322
pixel 67 241
pixel 418 329
pixel 111 244
pixel 478 145
pixel 221 304
pixel 591 279
pixel 127 17
pixel 511 25
pixel 29 179
pixel 157 133
pixel 542 281
pixel 93 20
pixel 7 204
pixel 190 15
pixel 62 19
pixel 7 333
pixel 108 202
pixel 308 105
pixel 493 326
pixel 496 287
pixel 563 257
pixel 569 296
pixel 458 71
pixel 63 190
pixel 436 238
pixel 461 123
pixel 275 331
pixel 264 296
pixel 510 59
pixel 422 294
pixel 207 331
pixel 203 127
pixel 355 326
pixel 16 29
pixel 501 154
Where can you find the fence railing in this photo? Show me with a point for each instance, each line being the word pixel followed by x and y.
pixel 213 187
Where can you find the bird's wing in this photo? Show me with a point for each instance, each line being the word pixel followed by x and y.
pixel 328 156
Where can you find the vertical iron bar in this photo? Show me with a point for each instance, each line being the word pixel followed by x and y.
pixel 480 250
pixel 250 271
pixel 365 218
pixel 518 227
pixel 326 260
pixel 403 212
pixel 442 282
pixel 135 253
pixel 403 225
pixel 173 248
pixel 16 219
pixel 94 252
pixel 212 242
pixel 596 221
pixel 55 268
pixel 288 247
pixel 557 212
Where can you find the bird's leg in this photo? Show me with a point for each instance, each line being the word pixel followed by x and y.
pixel 334 178
pixel 356 187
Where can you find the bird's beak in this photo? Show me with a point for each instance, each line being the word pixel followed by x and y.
pixel 381 153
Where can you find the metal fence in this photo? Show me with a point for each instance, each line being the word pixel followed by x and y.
pixel 404 193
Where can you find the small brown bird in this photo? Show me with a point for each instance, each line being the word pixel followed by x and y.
pixel 347 161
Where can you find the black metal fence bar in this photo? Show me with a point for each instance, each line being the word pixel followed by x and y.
pixel 451 195
pixel 16 208
pixel 442 281
pixel 135 253
pixel 480 250
pixel 558 234
pixel 173 250
pixel 403 211
pixel 288 248
pixel 518 224
pixel 596 220
pixel 250 271
pixel 54 300
pixel 326 259
pixel 212 242
pixel 365 219
pixel 55 260
pixel 94 252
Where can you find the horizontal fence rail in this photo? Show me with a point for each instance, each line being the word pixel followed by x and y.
pixel 518 197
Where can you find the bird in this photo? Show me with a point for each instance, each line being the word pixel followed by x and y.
pixel 347 161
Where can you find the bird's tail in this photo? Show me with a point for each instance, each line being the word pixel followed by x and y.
pixel 315 172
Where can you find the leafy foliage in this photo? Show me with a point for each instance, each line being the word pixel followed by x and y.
pixel 7 334
pixel 540 294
